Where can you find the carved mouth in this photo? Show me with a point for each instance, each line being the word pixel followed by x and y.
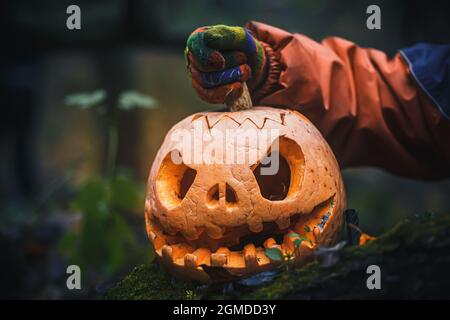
pixel 245 254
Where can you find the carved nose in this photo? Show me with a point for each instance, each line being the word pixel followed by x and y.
pixel 222 193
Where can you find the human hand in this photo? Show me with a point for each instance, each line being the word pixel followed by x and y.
pixel 220 58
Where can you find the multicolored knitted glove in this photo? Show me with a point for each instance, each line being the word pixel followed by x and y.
pixel 220 58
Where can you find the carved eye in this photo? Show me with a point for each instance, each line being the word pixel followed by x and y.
pixel 285 180
pixel 174 180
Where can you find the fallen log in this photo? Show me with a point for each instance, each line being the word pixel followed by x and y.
pixel 413 258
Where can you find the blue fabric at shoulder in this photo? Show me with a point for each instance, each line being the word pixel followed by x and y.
pixel 430 66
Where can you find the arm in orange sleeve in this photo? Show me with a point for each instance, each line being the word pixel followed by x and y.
pixel 368 107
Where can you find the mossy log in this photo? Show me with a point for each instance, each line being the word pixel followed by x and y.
pixel 413 257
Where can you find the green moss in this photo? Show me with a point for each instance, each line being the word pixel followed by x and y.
pixel 150 283
pixel 405 235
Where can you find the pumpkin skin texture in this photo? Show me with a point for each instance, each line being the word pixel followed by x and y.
pixel 205 216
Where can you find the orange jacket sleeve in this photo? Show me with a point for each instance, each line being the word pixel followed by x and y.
pixel 367 106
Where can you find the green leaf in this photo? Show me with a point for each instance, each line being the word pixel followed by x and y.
pixel 106 241
pixel 274 254
pixel 92 196
pixel 67 244
pixel 126 194
pixel 122 230
pixel 86 100
pixel 132 99
pixel 298 241
pixel 190 295
pixel 294 235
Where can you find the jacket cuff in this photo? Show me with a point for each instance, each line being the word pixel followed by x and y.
pixel 272 76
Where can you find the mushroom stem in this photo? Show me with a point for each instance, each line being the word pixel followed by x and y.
pixel 244 102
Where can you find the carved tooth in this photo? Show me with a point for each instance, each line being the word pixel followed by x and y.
pixel 283 222
pixel 288 242
pixel 159 241
pixel 197 258
pixel 256 226
pixel 262 259
pixel 236 259
pixel 167 253
pixel 218 259
pixel 156 237
pixel 270 243
pixel 203 256
pixel 151 235
pixel 250 255
pixel 190 261
pixel 180 250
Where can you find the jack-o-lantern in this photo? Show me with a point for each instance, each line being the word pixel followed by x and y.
pixel 208 214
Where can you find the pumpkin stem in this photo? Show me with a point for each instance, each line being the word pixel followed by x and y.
pixel 244 102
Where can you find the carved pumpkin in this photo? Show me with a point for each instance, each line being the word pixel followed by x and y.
pixel 208 216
